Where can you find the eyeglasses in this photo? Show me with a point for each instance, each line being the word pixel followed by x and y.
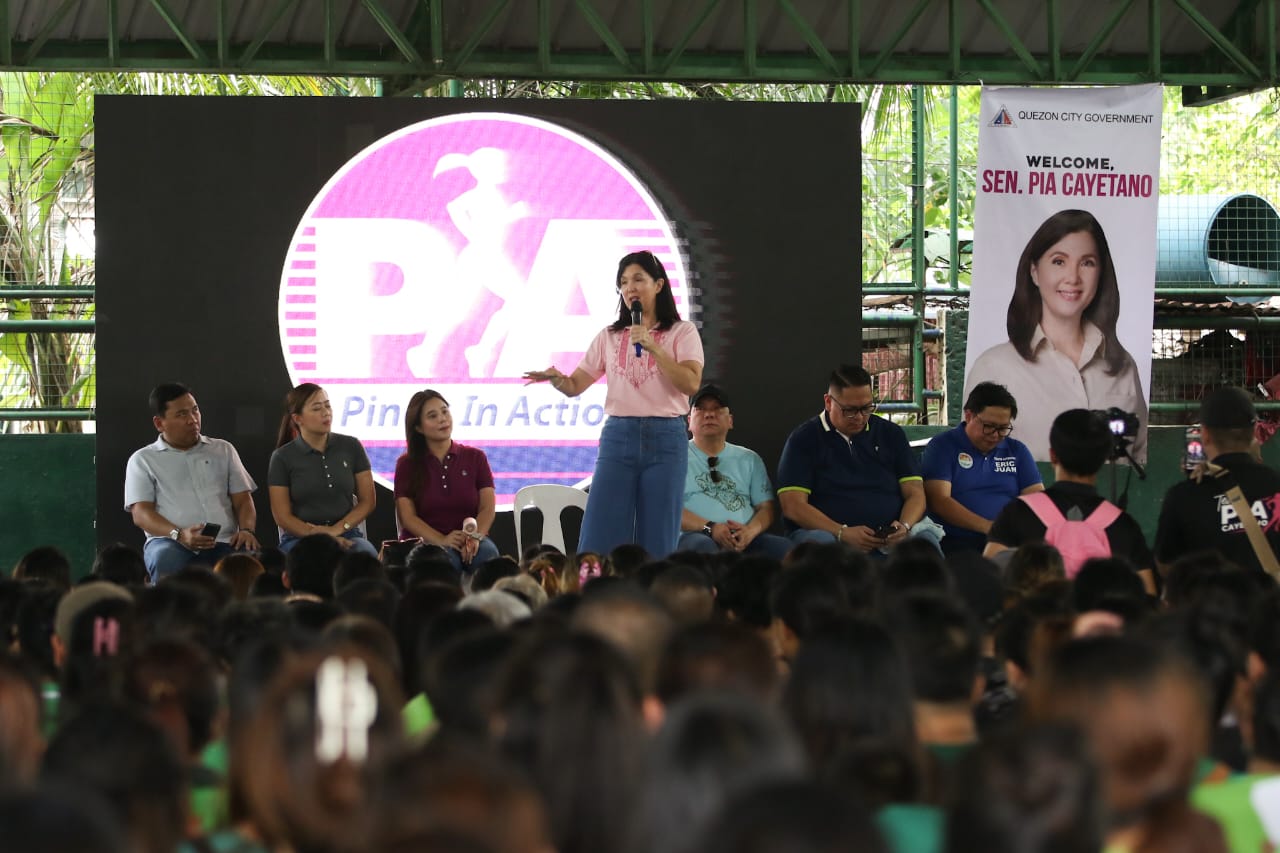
pixel 995 429
pixel 712 462
pixel 854 411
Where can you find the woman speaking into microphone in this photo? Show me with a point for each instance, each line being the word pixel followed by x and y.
pixel 651 363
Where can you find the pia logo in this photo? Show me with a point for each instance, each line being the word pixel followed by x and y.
pixel 456 254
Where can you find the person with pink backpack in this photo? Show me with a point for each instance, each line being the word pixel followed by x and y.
pixel 1070 514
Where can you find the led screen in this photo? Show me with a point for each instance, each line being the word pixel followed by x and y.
pixel 380 246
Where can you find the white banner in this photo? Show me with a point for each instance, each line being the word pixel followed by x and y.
pixel 1064 252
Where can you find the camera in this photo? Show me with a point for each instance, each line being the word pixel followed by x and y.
pixel 1123 427
pixel 1121 423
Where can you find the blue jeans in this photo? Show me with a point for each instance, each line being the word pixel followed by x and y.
pixel 765 545
pixel 485 552
pixel 355 537
pixel 637 491
pixel 926 529
pixel 164 556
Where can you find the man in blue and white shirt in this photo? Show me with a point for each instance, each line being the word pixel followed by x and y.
pixel 972 471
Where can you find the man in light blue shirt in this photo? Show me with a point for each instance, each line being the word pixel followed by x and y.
pixel 183 482
pixel 728 500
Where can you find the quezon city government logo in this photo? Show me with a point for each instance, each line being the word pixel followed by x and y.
pixel 456 254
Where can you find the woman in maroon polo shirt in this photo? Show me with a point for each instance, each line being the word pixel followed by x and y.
pixel 440 483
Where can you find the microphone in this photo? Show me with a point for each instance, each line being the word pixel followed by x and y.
pixel 637 317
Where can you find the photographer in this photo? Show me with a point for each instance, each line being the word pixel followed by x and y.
pixel 1080 443
pixel 1198 514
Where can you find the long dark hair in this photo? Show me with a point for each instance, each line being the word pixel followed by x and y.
pixel 1026 307
pixel 664 304
pixel 414 440
pixel 294 402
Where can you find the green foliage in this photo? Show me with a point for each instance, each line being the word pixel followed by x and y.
pixel 46 190
pixel 45 120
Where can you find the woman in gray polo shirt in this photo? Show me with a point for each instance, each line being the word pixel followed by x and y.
pixel 320 481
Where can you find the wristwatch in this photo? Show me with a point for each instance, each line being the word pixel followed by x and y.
pixel 345 526
pixel 706 528
pixel 174 534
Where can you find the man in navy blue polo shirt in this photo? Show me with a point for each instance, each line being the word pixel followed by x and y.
pixel 972 471
pixel 847 475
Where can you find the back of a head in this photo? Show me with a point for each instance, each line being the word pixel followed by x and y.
pixel 1145 715
pixel 240 571
pixel 58 819
pixel 460 679
pixel 742 593
pixel 624 560
pixel 268 585
pixel 176 609
pixel 116 753
pixel 428 562
pixel 711 747
pixel 46 563
pixel 806 598
pixel 1210 638
pixel 304 762
pixel 311 564
pixel 1191 574
pixel 1032 565
pixel 1032 790
pixel 939 639
pixel 214 588
pixel 632 622
pixel 915 565
pixel 459 788
pixel 723 656
pixel 21 722
pixel 357 565
pixel 376 599
pixel 176 683
pixel 571 709
pixel 35 628
pixel 503 608
pixel 121 564
pixel 311 616
pixel 367 638
pixel 1031 629
pixel 848 687
pixel 793 817
pixel 244 623
pixel 418 607
pixel 525 588
pixel 859 576
pixel 101 644
pixel 1081 440
pixel 489 572
pixel 1111 584
pixel 686 592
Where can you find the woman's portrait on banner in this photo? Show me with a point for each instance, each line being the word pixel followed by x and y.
pixel 1063 350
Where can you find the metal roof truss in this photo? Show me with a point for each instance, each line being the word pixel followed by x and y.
pixel 1213 49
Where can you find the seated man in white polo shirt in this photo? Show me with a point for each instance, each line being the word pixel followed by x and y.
pixel 183 482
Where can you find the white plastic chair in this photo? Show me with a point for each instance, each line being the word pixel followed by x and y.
pixel 551 500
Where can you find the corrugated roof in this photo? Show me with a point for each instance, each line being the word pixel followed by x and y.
pixel 1214 43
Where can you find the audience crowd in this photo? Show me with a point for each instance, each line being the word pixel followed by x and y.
pixel 1045 683
pixel 328 700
